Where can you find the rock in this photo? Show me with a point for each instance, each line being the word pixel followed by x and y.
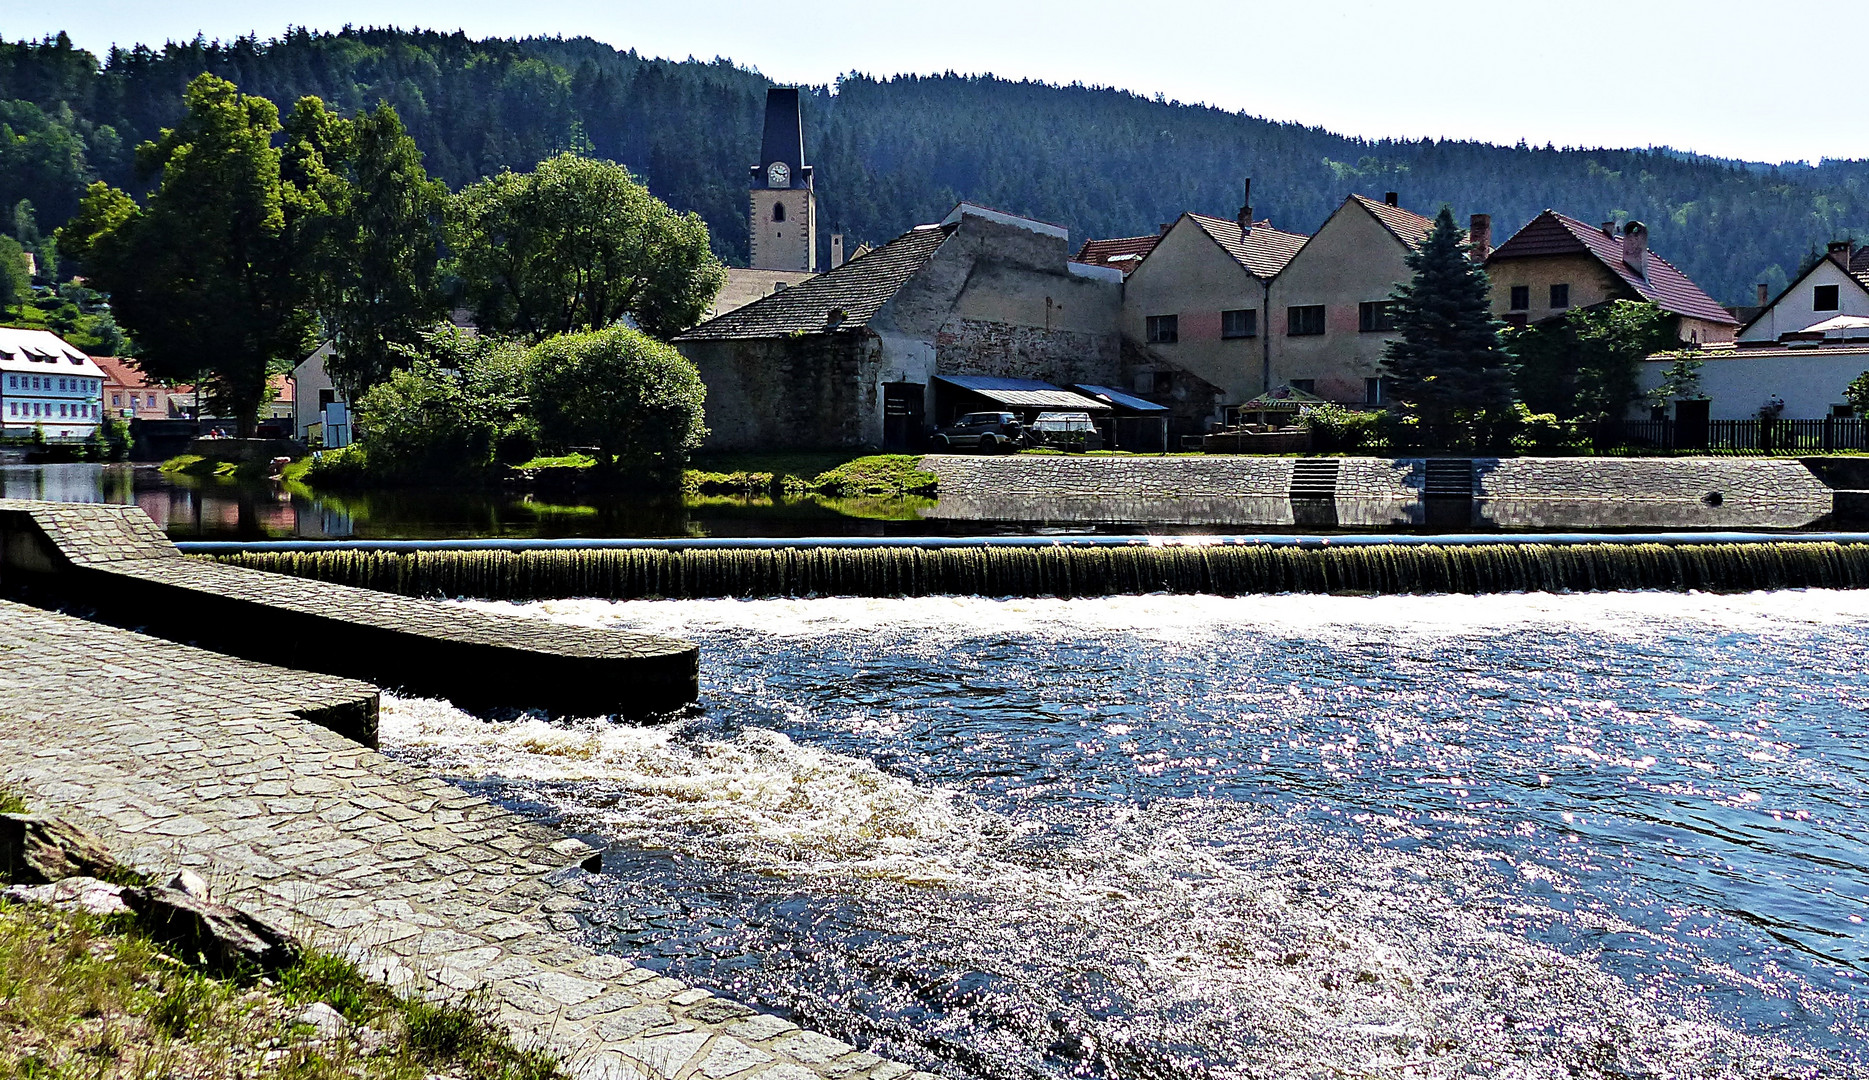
pixel 225 939
pixel 85 894
pixel 186 880
pixel 328 1022
pixel 40 850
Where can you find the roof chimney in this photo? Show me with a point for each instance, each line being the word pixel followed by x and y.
pixel 1765 296
pixel 1162 229
pixel 1245 218
pixel 1609 228
pixel 1389 198
pixel 1479 237
pixel 1635 248
pixel 1839 252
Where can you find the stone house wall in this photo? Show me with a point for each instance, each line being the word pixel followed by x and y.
pixel 814 391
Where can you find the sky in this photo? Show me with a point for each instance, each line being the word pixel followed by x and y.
pixel 1746 80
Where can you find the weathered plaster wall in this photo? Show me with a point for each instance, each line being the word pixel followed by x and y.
pixel 1590 283
pixel 1353 258
pixel 1191 277
pixel 1809 382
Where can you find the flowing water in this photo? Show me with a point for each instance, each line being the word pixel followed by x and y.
pixel 1175 837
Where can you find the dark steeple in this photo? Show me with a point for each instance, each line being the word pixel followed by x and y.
pixel 784 139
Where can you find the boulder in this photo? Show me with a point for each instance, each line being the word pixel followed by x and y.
pixel 40 850
pixel 223 939
pixel 85 894
pixel 186 880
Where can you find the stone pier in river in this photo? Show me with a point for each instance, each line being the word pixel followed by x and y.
pixel 115 562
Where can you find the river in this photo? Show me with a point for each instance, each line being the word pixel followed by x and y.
pixel 1175 837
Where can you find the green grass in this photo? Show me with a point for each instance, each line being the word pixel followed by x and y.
pixel 208 469
pixel 84 996
pixel 562 461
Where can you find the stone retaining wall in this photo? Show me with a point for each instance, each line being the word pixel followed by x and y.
pixel 177 757
pixel 1559 493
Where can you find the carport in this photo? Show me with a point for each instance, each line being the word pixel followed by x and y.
pixel 1136 423
pixel 959 394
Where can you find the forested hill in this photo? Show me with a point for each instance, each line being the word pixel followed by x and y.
pixel 890 153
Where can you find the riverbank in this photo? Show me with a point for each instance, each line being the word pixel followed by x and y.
pixel 188 758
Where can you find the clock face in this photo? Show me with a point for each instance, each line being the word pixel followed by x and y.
pixel 778 175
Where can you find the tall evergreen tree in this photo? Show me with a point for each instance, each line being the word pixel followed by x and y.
pixel 1449 378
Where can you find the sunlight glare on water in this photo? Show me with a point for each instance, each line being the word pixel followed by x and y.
pixel 1531 835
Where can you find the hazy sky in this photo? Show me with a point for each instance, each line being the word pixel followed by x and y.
pixel 1765 79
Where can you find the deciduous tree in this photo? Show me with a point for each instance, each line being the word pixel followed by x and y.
pixel 577 245
pixel 208 274
pixel 634 398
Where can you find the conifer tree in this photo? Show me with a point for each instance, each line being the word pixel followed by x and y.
pixel 1450 380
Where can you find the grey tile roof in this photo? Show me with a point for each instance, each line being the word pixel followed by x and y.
pixel 859 289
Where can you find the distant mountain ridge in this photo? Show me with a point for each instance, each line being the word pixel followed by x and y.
pixel 893 152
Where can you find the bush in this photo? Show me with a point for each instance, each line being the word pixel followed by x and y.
pixel 1539 433
pixel 1335 428
pixel 635 399
pixel 458 406
pixel 345 467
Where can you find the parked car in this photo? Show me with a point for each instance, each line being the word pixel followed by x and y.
pixel 986 431
pixel 1065 431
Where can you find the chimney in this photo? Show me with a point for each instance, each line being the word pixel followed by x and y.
pixel 1609 228
pixel 1480 237
pixel 1162 229
pixel 837 250
pixel 1839 252
pixel 1765 296
pixel 1389 198
pixel 1635 248
pixel 1245 217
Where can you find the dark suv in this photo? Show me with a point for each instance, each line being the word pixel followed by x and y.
pixel 987 431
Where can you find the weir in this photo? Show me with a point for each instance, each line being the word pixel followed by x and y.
pixel 1092 566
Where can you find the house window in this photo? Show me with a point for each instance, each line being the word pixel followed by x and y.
pixel 1372 391
pixel 1560 296
pixel 1164 329
pixel 1375 317
pixel 116 399
pixel 1824 298
pixel 778 211
pixel 1521 297
pixel 1304 320
pixel 1243 322
pixel 1304 386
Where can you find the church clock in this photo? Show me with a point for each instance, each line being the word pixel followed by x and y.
pixel 778 175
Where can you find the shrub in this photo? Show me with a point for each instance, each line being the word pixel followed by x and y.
pixel 1539 433
pixel 345 467
pixel 635 399
pixel 1335 428
pixel 459 404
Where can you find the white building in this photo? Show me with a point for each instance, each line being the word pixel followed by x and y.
pixel 1837 285
pixel 47 384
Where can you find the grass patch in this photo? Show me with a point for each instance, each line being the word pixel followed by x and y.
pixel 208 469
pixel 87 996
pixel 793 475
pixel 562 461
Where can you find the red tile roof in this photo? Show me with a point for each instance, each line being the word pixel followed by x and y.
pixel 1263 252
pixel 1859 265
pixel 1409 227
pixel 122 371
pixel 1552 233
pixel 1124 253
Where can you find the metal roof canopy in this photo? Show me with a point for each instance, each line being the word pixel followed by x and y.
pixel 1023 393
pixel 1119 399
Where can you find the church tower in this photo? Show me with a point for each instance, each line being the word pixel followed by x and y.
pixel 783 218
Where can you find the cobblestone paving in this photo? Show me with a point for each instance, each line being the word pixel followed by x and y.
pixel 180 757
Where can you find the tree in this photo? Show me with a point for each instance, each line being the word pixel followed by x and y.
pixel 15 282
pixel 1584 365
pixel 1448 376
pixel 208 274
pixel 577 245
pixel 634 398
pixel 377 241
pixel 1680 382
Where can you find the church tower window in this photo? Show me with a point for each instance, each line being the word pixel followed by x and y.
pixel 778 211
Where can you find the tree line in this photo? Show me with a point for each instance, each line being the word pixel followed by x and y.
pixel 259 237
pixel 892 152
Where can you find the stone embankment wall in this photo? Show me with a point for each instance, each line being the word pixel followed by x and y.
pixel 1557 493
pixel 177 757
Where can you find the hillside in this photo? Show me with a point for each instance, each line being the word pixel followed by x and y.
pixel 893 152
